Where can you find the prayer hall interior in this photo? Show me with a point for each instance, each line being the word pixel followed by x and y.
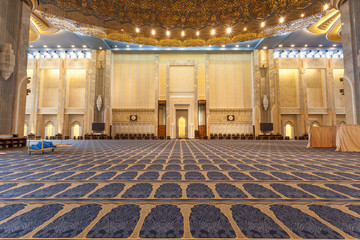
pixel 159 119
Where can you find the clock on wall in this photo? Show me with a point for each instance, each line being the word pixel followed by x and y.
pixel 133 117
pixel 230 117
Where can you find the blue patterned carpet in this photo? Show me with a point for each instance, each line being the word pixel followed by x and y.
pixel 186 189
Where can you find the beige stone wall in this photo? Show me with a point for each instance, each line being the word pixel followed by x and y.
pixel 133 83
pixel 300 91
pixel 309 91
pixel 58 94
pixel 289 87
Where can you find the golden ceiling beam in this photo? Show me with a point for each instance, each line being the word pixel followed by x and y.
pixel 32 3
pixel 330 24
pixel 39 25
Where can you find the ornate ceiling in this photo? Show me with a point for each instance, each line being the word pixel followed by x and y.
pixel 188 22
pixel 330 23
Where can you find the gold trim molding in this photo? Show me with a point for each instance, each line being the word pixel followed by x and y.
pixel 32 3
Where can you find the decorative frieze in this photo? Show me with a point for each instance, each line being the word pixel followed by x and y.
pixel 122 115
pixel 50 63
pixel 314 62
pixel 288 63
pixel 76 63
pixel 241 115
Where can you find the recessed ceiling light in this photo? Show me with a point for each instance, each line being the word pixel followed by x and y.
pixel 197 33
pixel 222 46
pixel 213 32
pixel 45 46
pixel 137 30
pixel 183 33
pixel 265 47
pixel 100 48
pixel 245 28
pixel 58 46
pixel 236 46
pixel 84 46
pixel 334 45
pixel 140 46
pixel 209 45
pixel 31 46
pixel 228 30
pixel 115 46
pixel 292 45
pixel 320 45
pixel 262 24
pixel 303 15
pixel 280 45
pixel 248 45
pixel 153 32
pixel 127 46
pixel 282 19
pixel 167 33
pixel 306 45
pixel 72 46
pixel 326 7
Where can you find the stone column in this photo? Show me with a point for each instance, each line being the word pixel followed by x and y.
pixel 14 29
pixel 350 17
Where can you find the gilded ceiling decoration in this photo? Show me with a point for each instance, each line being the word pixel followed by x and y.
pixel 39 25
pixel 330 24
pixel 182 22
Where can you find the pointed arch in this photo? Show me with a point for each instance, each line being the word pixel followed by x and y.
pixel 49 129
pixel 315 124
pixel 76 129
pixel 289 129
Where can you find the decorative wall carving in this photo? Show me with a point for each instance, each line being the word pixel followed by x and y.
pixel 50 63
pixel 76 63
pixel 288 63
pixel 122 115
pixel 242 115
pixel 314 62
pixel 7 61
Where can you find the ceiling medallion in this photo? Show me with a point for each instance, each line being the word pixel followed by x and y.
pixel 133 21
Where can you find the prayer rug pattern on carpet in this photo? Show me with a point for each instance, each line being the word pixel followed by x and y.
pixel 186 189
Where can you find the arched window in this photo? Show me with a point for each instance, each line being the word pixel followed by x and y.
pixel 289 130
pixel 342 123
pixel 49 130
